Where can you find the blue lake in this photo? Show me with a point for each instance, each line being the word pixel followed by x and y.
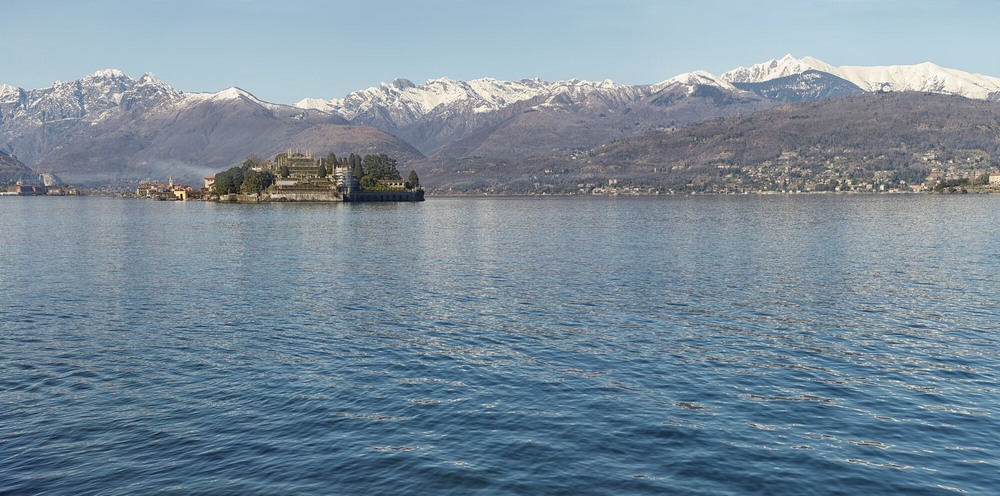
pixel 683 345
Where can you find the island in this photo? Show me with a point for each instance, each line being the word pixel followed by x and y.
pixel 300 177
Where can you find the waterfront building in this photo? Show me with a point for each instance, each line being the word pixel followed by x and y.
pixel 345 178
pixel 392 183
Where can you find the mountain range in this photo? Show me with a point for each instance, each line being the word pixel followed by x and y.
pixel 108 126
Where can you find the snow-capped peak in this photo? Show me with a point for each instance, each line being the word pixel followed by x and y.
pixel 230 93
pixel 776 68
pixel 9 93
pixel 926 77
pixel 405 101
pixel 695 78
pixel 319 104
pixel 150 78
pixel 106 74
pixel 402 83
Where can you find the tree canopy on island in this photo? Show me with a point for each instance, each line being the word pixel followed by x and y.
pixel 376 168
pixel 255 182
pixel 372 171
pixel 380 166
pixel 243 179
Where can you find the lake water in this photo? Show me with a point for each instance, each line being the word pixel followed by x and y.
pixel 683 345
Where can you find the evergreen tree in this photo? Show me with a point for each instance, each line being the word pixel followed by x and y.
pixel 284 172
pixel 251 162
pixel 391 171
pixel 331 161
pixel 255 182
pixel 368 183
pixel 369 165
pixel 229 181
pixel 381 167
pixel 322 171
pixel 412 181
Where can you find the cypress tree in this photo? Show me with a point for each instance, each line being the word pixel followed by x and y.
pixel 331 162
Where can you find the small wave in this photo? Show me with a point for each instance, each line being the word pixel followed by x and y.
pixel 370 416
pixel 872 444
pixel 391 449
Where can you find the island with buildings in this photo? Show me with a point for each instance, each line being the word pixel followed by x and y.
pixel 300 177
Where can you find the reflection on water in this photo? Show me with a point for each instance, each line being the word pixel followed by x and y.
pixel 751 344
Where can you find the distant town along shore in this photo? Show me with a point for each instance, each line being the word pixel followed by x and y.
pixel 300 177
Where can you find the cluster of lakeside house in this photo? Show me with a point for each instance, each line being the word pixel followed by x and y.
pixel 166 191
pixel 300 177
pixel 44 184
pixel 20 189
pixel 950 174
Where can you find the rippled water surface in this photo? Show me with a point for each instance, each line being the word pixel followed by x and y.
pixel 750 345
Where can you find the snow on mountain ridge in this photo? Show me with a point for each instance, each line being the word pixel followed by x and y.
pixel 95 94
pixel 91 98
pixel 926 77
pixel 696 78
pixel 403 102
pixel 776 68
pixel 232 93
pixel 106 74
pixel 100 96
pixel 151 79
pixel 408 98
pixel 407 101
pixel 9 93
pixel 317 104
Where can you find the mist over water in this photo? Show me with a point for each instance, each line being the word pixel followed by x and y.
pixel 723 345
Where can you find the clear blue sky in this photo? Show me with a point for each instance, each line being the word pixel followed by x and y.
pixel 286 50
